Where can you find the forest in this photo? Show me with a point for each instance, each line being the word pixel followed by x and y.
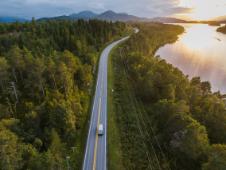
pixel 47 73
pixel 164 120
pixel 222 29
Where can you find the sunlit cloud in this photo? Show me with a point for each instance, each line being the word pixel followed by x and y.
pixel 204 9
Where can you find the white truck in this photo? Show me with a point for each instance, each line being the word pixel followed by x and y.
pixel 100 129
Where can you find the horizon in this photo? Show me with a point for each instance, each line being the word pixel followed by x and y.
pixel 181 9
pixel 99 13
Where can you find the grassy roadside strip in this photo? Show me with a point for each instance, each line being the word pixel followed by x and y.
pixel 125 145
pixel 114 144
pixel 114 152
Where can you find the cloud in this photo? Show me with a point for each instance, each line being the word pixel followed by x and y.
pixel 41 8
pixel 179 10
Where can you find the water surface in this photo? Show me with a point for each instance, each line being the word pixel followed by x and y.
pixel 200 51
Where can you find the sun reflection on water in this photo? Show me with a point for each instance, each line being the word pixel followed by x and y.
pixel 198 38
pixel 201 51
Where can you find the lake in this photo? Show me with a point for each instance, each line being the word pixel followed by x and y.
pixel 200 51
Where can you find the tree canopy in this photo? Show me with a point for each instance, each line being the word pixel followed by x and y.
pixel 47 72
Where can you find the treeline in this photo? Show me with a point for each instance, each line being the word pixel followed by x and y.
pixel 222 29
pixel 179 122
pixel 47 73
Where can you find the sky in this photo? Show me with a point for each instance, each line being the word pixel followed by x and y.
pixel 187 9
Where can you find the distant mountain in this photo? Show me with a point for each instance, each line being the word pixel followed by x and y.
pixel 108 15
pixel 168 20
pixel 113 16
pixel 4 19
pixel 83 15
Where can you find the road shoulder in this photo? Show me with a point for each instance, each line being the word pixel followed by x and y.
pixel 114 144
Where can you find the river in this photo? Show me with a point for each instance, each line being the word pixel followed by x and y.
pixel 200 51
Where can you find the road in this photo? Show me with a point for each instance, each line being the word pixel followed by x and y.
pixel 96 147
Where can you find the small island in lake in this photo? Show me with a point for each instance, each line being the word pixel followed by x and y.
pixel 214 23
pixel 222 29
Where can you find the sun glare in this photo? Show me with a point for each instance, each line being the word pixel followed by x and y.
pixel 204 9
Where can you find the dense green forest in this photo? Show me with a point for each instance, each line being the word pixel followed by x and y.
pixel 47 72
pixel 163 119
pixel 222 29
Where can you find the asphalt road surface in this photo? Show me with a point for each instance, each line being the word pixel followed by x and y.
pixel 96 146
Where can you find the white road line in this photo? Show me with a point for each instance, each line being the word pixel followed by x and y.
pixel 91 123
pixel 96 141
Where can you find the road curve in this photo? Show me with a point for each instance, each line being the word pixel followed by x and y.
pixel 96 147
